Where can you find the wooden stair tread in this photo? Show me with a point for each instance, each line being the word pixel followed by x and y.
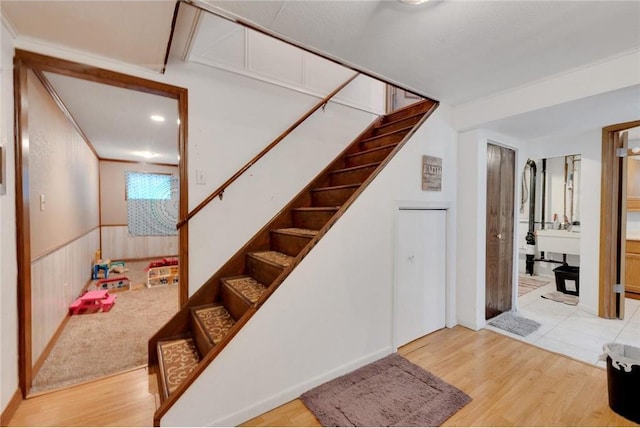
pixel 273 257
pixel 355 168
pixel 248 287
pixel 312 209
pixel 216 321
pixel 344 186
pixel 375 149
pixel 388 134
pixel 298 231
pixel 178 358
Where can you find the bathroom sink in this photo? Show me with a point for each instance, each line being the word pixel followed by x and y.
pixel 558 241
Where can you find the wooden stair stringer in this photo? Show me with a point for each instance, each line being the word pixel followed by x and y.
pixel 280 220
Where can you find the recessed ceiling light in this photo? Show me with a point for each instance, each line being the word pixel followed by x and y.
pixel 157 118
pixel 146 154
pixel 414 1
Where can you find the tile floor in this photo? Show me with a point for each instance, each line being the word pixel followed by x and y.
pixel 571 331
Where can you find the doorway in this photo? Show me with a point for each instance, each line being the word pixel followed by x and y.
pixel 499 232
pixel 613 219
pixel 25 63
pixel 421 263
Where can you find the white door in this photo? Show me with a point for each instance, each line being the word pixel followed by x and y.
pixel 420 273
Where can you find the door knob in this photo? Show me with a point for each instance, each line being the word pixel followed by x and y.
pixel 499 236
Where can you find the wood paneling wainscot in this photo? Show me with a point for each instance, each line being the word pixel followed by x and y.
pixel 117 244
pixel 56 280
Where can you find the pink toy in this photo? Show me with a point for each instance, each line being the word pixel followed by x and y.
pixel 93 300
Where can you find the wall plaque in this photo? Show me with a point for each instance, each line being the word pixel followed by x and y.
pixel 431 173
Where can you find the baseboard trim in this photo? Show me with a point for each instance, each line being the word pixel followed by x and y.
pixel 295 391
pixel 11 408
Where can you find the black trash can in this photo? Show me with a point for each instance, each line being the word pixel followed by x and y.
pixel 564 273
pixel 623 379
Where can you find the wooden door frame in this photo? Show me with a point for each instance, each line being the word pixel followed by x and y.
pixel 612 207
pixel 24 61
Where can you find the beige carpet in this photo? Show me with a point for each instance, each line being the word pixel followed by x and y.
pixel 526 284
pixel 388 392
pixel 100 344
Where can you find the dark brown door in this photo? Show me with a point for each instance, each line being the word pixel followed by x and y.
pixel 500 199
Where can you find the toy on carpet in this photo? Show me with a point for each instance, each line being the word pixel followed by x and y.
pixel 114 284
pixel 106 266
pixel 93 301
pixel 162 272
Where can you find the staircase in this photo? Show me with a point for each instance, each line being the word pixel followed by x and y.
pixel 184 347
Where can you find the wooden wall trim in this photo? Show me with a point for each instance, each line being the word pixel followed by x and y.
pixel 136 162
pixel 114 225
pixel 11 408
pixel 61 246
pixel 23 237
pixel 62 106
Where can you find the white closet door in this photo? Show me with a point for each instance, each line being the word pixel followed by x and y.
pixel 420 273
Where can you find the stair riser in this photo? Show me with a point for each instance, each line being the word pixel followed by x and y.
pixel 262 272
pixel 288 244
pixel 235 304
pixel 405 112
pixel 351 177
pixel 394 126
pixel 314 220
pixel 365 158
pixel 203 342
pixel 383 141
pixel 331 198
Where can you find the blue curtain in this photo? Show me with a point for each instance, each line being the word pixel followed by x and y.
pixel 152 203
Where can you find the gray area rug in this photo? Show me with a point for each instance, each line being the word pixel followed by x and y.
pixel 508 321
pixel 557 296
pixel 388 392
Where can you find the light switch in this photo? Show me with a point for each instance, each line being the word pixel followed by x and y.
pixel 42 201
pixel 200 177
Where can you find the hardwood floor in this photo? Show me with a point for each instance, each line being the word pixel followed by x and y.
pixel 511 383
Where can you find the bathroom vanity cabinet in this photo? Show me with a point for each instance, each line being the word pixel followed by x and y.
pixel 632 268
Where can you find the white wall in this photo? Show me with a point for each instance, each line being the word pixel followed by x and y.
pixel 8 264
pixel 335 311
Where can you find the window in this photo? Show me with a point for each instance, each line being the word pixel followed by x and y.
pixel 144 185
pixel 152 203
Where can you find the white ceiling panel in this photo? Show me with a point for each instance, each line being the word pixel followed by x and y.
pixel 454 51
pixel 118 122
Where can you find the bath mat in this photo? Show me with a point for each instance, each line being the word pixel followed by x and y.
pixel 526 284
pixel 515 324
pixel 557 296
pixel 388 392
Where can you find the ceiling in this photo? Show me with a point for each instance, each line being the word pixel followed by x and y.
pixel 119 125
pixel 132 31
pixel 453 51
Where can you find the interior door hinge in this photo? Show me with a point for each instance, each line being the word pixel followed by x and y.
pixel 621 152
pixel 618 289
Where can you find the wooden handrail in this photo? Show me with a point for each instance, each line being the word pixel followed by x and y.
pixel 220 190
